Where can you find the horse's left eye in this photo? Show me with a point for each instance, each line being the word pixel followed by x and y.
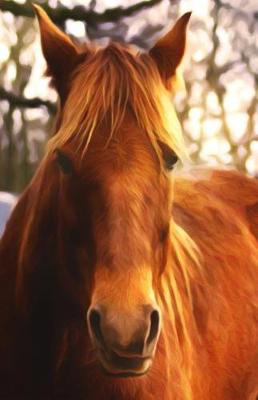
pixel 169 156
pixel 170 161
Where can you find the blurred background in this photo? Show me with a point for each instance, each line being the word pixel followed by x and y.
pixel 219 110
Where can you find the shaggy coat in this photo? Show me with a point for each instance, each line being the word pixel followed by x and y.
pixel 104 221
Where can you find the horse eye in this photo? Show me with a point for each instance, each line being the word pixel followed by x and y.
pixel 64 162
pixel 169 156
pixel 170 161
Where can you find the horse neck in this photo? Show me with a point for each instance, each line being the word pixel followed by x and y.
pixel 26 238
pixel 26 284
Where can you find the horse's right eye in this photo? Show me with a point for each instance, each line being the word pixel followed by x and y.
pixel 169 156
pixel 170 161
pixel 64 162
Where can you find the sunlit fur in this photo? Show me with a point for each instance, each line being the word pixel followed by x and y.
pixel 206 289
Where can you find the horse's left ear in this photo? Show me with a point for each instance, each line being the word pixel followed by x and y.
pixel 60 53
pixel 169 50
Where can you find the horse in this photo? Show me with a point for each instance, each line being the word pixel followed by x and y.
pixel 121 279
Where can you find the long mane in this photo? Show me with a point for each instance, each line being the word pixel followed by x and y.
pixel 124 80
pixel 213 241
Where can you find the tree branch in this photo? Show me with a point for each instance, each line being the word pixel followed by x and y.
pixel 78 13
pixel 22 102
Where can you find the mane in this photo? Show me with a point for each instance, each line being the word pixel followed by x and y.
pixel 186 286
pixel 111 81
pixel 184 267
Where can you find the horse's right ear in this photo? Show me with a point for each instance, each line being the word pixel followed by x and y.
pixel 60 53
pixel 169 50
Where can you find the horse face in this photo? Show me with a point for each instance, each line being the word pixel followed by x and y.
pixel 129 203
pixel 124 319
pixel 124 194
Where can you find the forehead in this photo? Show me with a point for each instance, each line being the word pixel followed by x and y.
pixel 124 174
pixel 130 196
pixel 125 156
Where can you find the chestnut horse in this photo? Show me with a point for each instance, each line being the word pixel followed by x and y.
pixel 121 280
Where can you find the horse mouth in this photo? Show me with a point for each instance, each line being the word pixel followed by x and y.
pixel 115 365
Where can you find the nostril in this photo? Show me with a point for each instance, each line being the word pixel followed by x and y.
pixel 154 326
pixel 94 320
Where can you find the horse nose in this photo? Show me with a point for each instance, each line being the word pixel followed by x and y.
pixel 124 335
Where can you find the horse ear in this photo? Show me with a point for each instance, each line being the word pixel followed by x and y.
pixel 60 53
pixel 169 50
